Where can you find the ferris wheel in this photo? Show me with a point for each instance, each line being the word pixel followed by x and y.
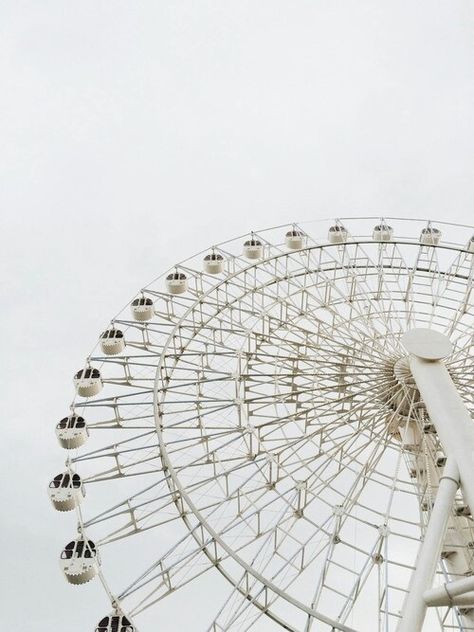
pixel 299 401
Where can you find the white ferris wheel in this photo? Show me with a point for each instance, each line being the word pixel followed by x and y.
pixel 299 401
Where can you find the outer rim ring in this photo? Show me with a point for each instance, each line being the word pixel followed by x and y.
pixel 444 246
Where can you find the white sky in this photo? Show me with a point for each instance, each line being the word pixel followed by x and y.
pixel 135 133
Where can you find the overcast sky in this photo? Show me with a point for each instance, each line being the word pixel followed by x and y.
pixel 135 133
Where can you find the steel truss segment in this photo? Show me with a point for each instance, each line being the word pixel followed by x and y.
pixel 270 411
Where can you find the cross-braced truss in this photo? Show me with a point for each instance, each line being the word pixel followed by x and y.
pixel 269 411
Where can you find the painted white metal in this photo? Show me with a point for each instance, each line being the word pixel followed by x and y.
pixel 427 344
pixel 285 407
pixel 450 416
pixel 455 428
pixel 414 607
pixel 458 562
pixel 252 572
pixel 444 595
pixel 464 602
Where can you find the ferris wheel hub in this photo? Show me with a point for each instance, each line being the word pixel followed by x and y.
pixel 402 373
pixel 405 393
pixel 427 344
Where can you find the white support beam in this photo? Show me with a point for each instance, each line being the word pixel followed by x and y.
pixel 414 607
pixel 455 429
pixel 465 601
pixel 450 417
pixel 447 594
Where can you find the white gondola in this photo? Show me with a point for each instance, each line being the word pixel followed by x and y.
pixel 142 308
pixel 295 239
pixel 253 249
pixel 337 234
pixel 470 244
pixel 112 341
pixel 115 623
pixel 72 432
pixel 176 283
pixel 430 236
pixel 66 491
pixel 88 382
pixel 213 263
pixel 382 232
pixel 80 561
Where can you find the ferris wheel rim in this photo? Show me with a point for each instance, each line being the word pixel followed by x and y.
pixel 319 221
pixel 163 449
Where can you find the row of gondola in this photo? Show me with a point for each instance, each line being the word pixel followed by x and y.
pixel 80 559
pixel 177 282
pixel 142 308
pixel 88 381
pixel 253 249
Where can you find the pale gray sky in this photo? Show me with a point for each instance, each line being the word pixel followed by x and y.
pixel 135 133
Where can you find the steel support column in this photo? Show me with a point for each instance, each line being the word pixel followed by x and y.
pixel 455 429
pixel 414 607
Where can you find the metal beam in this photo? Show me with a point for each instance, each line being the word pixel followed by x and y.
pixel 455 429
pixel 414 607
pixel 447 594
